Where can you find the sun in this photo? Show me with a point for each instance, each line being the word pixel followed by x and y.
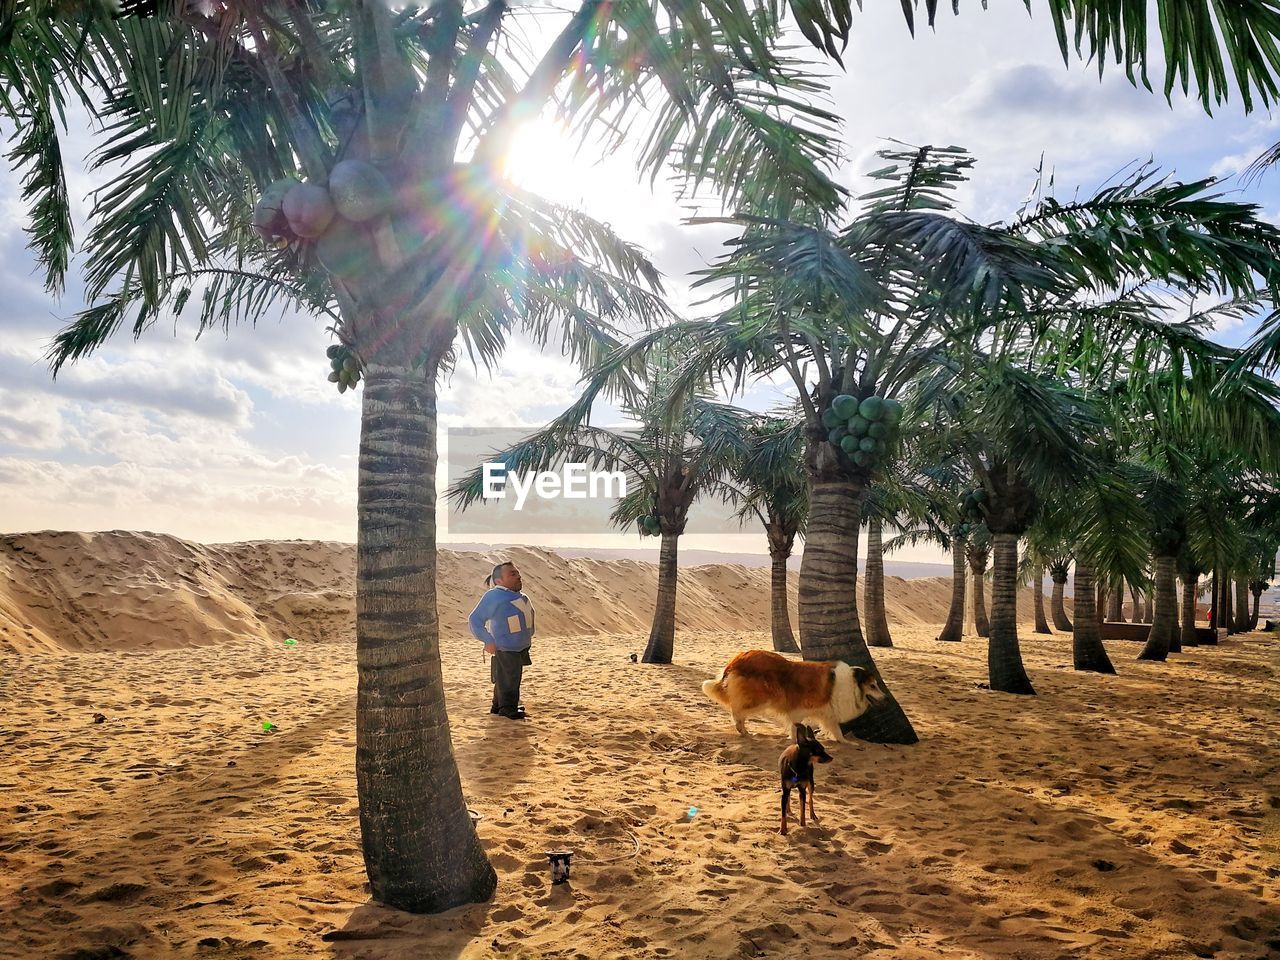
pixel 543 159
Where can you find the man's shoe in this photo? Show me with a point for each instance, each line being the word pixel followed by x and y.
pixel 512 714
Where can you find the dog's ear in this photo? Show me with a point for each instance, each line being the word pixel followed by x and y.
pixel 808 733
pixel 797 732
pixel 861 675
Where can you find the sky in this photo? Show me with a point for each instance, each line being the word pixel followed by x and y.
pixel 240 437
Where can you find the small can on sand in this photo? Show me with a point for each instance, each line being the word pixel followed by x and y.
pixel 559 865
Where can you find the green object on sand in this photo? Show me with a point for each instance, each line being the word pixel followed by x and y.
pixel 291 642
pixel 268 726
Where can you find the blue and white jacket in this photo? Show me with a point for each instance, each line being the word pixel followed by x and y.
pixel 503 618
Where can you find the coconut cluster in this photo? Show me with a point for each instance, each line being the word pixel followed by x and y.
pixel 331 215
pixel 863 429
pixel 650 525
pixel 971 502
pixel 345 366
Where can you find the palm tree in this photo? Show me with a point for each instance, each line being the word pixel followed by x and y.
pixel 399 118
pixel 683 447
pixel 953 629
pixel 977 553
pixel 1059 568
pixel 768 484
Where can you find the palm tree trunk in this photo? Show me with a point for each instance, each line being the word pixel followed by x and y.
pixel 1004 659
pixel 1175 634
pixel 1115 605
pixel 1037 589
pixel 877 622
pixel 1242 606
pixel 829 628
pixel 1164 621
pixel 1215 612
pixel 953 629
pixel 1100 602
pixel 981 625
pixel 1253 615
pixel 1225 616
pixel 1056 607
pixel 662 635
pixel 784 641
pixel 1087 651
pixel 1187 627
pixel 420 846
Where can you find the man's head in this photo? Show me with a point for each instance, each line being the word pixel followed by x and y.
pixel 506 575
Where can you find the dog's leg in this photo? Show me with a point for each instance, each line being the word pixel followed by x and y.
pixel 786 802
pixel 812 814
pixel 832 725
pixel 800 787
pixel 740 722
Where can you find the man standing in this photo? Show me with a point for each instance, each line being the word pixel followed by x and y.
pixel 503 622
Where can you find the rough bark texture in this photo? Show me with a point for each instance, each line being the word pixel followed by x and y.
pixel 873 593
pixel 1164 623
pixel 1056 608
pixel 1004 658
pixel 784 640
pixel 1100 603
pixel 1175 635
pixel 981 625
pixel 1037 588
pixel 953 629
pixel 1087 651
pixel 420 846
pixel 1215 611
pixel 1256 590
pixel 662 635
pixel 1226 617
pixel 1242 606
pixel 1187 627
pixel 1115 604
pixel 829 628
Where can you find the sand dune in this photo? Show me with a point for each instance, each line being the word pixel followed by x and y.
pixel 1135 816
pixel 140 591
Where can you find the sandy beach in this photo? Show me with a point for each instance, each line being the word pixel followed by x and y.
pixel 1135 816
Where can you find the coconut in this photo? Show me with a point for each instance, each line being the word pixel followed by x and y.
pixel 308 209
pixel 838 434
pixel 269 220
pixel 858 426
pixel 849 444
pixel 980 495
pixel 359 190
pixel 869 444
pixel 830 420
pixel 864 459
pixel 872 408
pixel 349 364
pixel 333 376
pixel 844 406
pixel 878 430
pixel 334 351
pixel 892 411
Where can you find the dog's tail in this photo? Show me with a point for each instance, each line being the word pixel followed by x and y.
pixel 716 690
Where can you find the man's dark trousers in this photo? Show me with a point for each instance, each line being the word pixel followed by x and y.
pixel 507 669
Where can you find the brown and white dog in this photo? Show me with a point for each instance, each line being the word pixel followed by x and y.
pixel 793 691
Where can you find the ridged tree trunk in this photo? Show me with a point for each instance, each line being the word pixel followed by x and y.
pixel 1004 658
pixel 420 846
pixel 1215 609
pixel 662 635
pixel 1100 602
pixel 1056 607
pixel 1256 590
pixel 784 640
pixel 1175 635
pixel 1137 605
pixel 1187 626
pixel 1225 615
pixel 1037 591
pixel 873 593
pixel 1115 603
pixel 981 625
pixel 953 629
pixel 1164 622
pixel 1242 606
pixel 829 628
pixel 1087 651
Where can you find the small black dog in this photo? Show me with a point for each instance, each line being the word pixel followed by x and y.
pixel 795 768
